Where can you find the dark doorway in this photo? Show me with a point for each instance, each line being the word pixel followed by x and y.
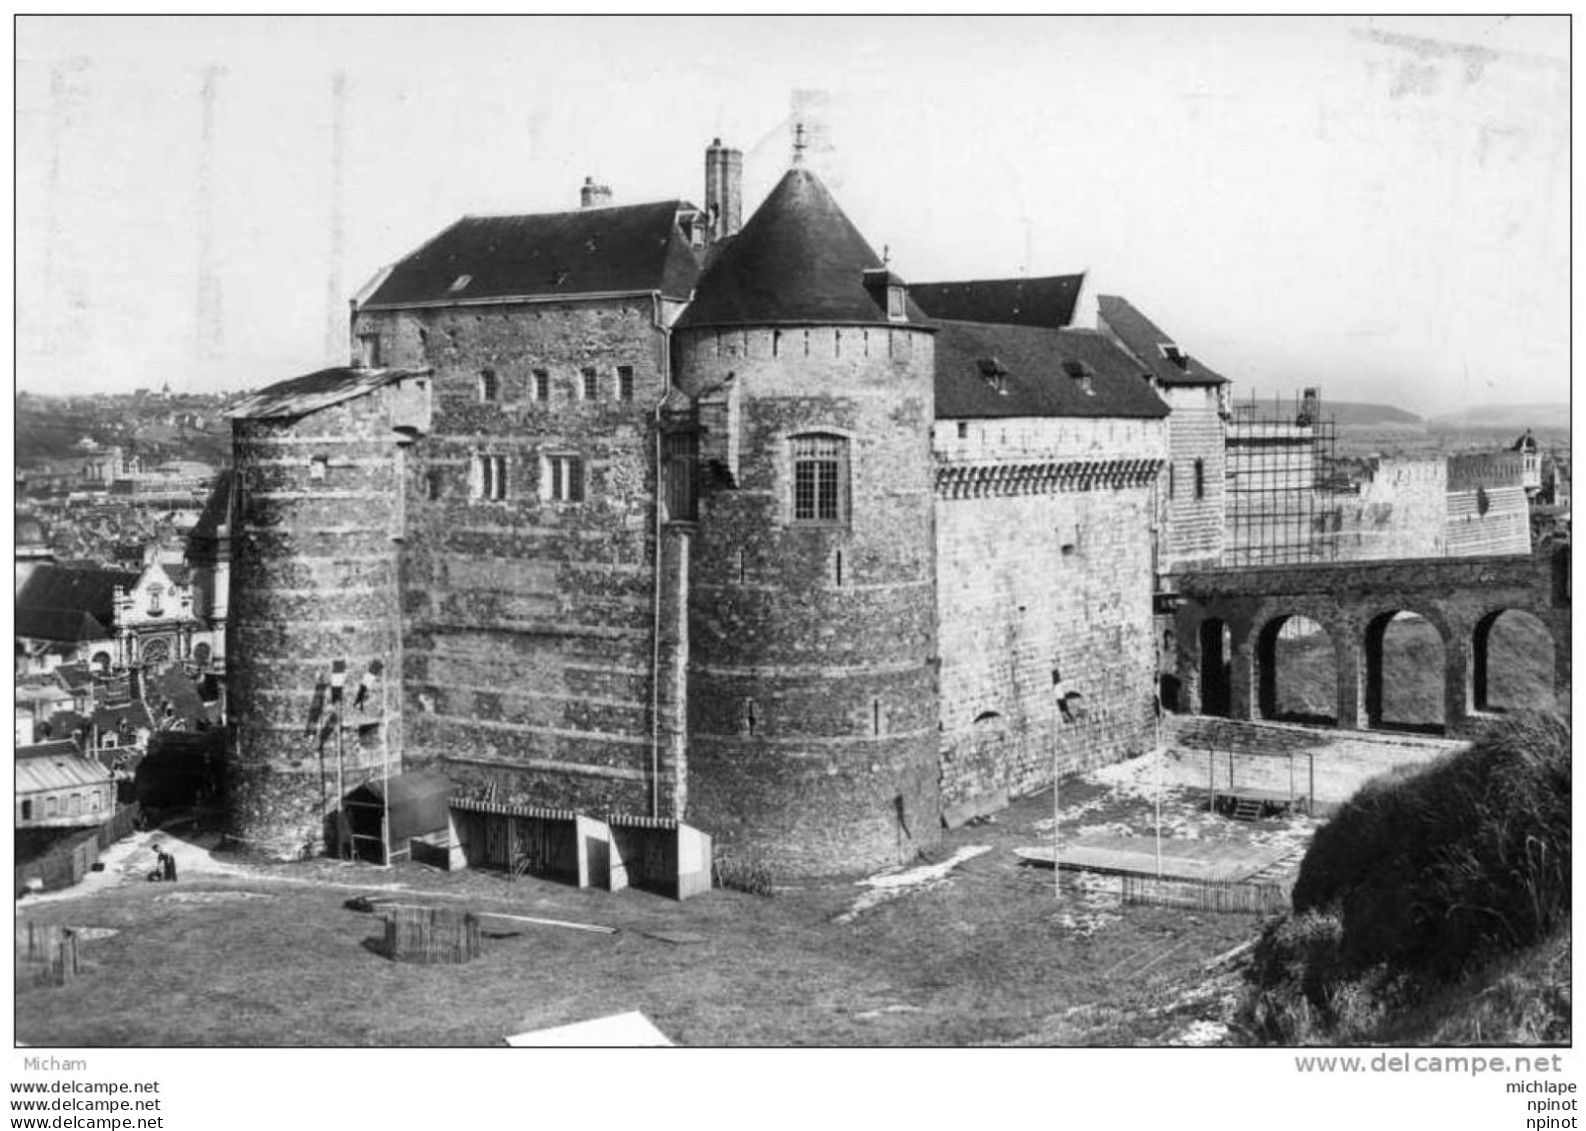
pixel 1216 668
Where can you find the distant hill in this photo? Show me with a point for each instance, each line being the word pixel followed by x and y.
pixel 1514 418
pixel 1355 413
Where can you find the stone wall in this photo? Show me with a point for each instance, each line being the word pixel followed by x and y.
pixel 1400 512
pixel 530 620
pixel 314 580
pixel 1193 530
pixel 1049 570
pixel 811 702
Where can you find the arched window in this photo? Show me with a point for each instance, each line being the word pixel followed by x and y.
pixel 820 478
pixel 489 386
pixel 201 655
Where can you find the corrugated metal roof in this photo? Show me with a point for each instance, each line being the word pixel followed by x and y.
pixel 56 765
pixel 1145 339
pixel 799 259
pixel 300 396
pixel 623 248
pixel 1001 371
pixel 1046 301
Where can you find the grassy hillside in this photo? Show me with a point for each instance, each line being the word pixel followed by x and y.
pixel 1433 907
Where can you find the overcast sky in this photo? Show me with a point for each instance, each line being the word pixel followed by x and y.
pixel 1378 207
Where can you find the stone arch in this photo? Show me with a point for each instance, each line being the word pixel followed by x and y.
pixel 100 662
pixel 1287 644
pixel 1524 675
pixel 1406 688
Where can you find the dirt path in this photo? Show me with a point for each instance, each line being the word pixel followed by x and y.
pixel 131 859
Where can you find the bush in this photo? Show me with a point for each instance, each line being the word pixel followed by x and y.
pixel 1421 891
pixel 1465 858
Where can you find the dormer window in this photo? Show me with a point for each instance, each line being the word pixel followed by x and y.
pixel 460 283
pixel 994 373
pixel 1174 354
pixel 878 279
pixel 1083 375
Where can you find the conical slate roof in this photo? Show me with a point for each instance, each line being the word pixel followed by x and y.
pixel 799 260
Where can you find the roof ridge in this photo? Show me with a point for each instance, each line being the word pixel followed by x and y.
pixel 588 208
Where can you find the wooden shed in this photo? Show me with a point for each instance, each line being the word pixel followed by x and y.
pixel 400 810
pixel 529 840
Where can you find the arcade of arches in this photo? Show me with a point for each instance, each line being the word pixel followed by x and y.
pixel 1430 645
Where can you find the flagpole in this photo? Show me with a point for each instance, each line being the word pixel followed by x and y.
pixel 1161 756
pixel 385 773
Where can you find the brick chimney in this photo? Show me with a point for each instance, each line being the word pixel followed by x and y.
pixel 723 190
pixel 593 195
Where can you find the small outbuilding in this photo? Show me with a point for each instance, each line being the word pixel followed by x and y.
pixel 397 812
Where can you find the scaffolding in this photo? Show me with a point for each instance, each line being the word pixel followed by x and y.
pixel 1284 483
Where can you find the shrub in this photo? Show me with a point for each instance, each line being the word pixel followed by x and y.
pixel 1466 857
pixel 1415 899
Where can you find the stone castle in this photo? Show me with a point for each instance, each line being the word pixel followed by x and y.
pixel 642 509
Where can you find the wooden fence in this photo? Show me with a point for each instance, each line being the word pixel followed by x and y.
pixel 431 935
pixel 47 953
pixel 70 860
pixel 1206 895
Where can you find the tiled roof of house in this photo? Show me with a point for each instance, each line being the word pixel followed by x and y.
pixel 798 260
pixel 60 603
pixel 299 396
pixel 999 371
pixel 135 714
pixel 1046 301
pixel 56 765
pixel 616 249
pixel 1145 340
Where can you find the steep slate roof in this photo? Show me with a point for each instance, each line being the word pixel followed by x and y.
pixel 299 396
pixel 798 260
pixel 57 603
pixel 210 537
pixel 1031 361
pixel 1142 337
pixel 622 248
pixel 1047 301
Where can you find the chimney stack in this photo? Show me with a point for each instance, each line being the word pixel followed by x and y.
pixel 593 195
pixel 723 190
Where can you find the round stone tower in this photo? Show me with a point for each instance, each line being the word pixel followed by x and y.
pixel 317 522
pixel 812 709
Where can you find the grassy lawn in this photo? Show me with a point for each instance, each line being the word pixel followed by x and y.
pixel 986 955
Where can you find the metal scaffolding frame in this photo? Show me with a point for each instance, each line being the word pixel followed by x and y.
pixel 1283 483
